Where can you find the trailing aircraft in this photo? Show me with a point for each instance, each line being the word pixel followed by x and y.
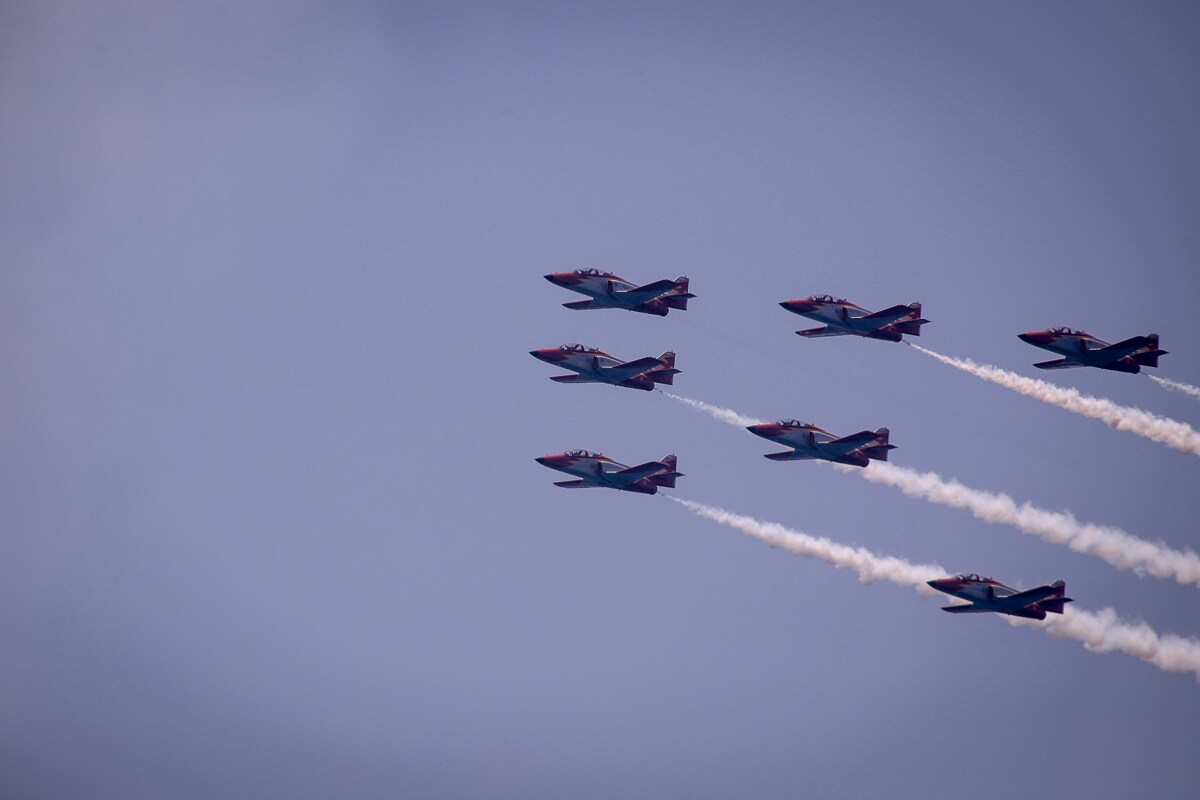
pixel 810 442
pixel 593 365
pixel 986 594
pixel 610 291
pixel 1084 350
pixel 595 470
pixel 843 318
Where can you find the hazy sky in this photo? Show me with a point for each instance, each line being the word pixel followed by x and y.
pixel 270 273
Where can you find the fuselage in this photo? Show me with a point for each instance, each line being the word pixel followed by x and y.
pixel 603 287
pixel 1079 347
pixel 835 313
pixel 806 439
pixel 587 361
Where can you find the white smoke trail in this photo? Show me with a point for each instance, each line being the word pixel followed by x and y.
pixel 1175 386
pixel 870 567
pixel 1099 631
pixel 726 415
pixel 1104 632
pixel 1177 435
pixel 1121 549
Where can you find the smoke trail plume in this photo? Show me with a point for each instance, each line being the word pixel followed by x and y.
pixel 870 567
pixel 1121 549
pixel 1104 632
pixel 1175 386
pixel 1099 631
pixel 726 415
pixel 1177 435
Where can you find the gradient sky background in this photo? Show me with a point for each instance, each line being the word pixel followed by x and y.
pixel 271 521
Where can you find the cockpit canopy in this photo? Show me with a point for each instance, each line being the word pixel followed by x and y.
pixel 593 272
pixel 1068 331
pixel 582 454
pixel 826 298
pixel 970 576
pixel 578 348
pixel 794 423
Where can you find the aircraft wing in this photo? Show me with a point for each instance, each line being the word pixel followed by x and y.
pixel 635 474
pixel 970 608
pixel 848 444
pixel 816 333
pixel 889 315
pixel 650 291
pixel 1115 352
pixel 1059 363
pixel 633 368
pixel 1028 598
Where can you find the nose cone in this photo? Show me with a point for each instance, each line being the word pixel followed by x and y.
pixel 937 583
pixel 799 306
pixel 1035 337
pixel 557 278
pixel 540 355
pixel 541 460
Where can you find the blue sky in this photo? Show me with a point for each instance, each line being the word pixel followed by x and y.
pixel 272 523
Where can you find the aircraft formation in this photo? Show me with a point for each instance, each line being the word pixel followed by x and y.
pixel 805 441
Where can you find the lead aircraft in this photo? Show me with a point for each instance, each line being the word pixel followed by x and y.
pixel 986 594
pixel 610 291
pixel 595 470
pixel 810 442
pixel 593 365
pixel 1084 350
pixel 843 318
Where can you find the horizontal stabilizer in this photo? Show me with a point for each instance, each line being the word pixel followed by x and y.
pixel 666 376
pixel 1055 604
pixel 1058 363
pixel 1149 359
pixel 667 479
pixel 824 330
pixel 579 304
pixel 677 301
pixel 573 484
pixel 910 327
pixel 967 609
pixel 878 452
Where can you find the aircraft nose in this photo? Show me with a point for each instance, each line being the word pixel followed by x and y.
pixel 553 278
pixel 537 354
pixel 797 306
pixel 1034 337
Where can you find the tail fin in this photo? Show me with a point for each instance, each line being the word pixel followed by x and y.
pixel 667 479
pixel 666 373
pixel 1149 358
pixel 1055 603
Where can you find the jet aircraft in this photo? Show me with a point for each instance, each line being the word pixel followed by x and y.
pixel 843 318
pixel 610 291
pixel 810 442
pixel 1084 350
pixel 597 470
pixel 593 365
pixel 986 594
